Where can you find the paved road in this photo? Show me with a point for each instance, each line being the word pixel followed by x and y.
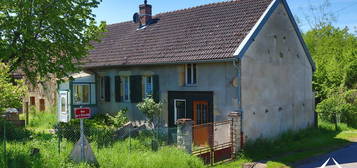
pixel 346 157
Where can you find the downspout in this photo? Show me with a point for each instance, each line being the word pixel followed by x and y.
pixel 239 94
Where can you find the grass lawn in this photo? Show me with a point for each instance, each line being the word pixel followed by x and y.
pixel 293 147
pixel 129 153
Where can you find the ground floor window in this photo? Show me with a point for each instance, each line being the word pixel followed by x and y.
pixel 148 86
pixel 126 88
pixel 81 93
pixel 180 109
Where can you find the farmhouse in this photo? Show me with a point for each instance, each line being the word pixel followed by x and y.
pixel 202 63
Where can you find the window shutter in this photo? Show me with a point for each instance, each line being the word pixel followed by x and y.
pixel 136 89
pixel 117 89
pixel 156 90
pixel 107 88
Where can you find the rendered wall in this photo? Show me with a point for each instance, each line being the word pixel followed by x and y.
pixel 276 81
pixel 216 77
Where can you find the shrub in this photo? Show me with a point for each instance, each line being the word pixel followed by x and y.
pixel 341 106
pixel 13 132
pixel 152 110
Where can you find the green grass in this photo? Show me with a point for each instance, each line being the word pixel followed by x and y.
pixel 123 154
pixel 41 120
pixel 292 147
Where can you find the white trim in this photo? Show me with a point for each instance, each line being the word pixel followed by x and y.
pixel 246 39
pixel 175 110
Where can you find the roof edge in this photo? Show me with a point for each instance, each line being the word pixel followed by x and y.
pixel 298 32
pixel 249 39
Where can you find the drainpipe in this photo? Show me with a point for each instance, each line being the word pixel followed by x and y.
pixel 239 69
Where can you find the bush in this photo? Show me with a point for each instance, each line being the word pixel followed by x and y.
pixel 100 129
pixel 340 105
pixel 13 133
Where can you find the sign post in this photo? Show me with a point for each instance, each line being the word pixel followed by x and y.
pixel 82 113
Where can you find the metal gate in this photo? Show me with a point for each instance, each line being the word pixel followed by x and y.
pixel 213 142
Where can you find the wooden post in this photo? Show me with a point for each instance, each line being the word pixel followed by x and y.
pixel 27 112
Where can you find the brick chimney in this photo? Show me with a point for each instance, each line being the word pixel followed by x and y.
pixel 145 13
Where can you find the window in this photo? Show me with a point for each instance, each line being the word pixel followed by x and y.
pixel 32 101
pixel 63 105
pixel 126 88
pixel 148 86
pixel 191 74
pixel 81 93
pixel 42 105
pixel 180 109
pixel 102 87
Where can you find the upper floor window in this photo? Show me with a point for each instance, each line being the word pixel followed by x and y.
pixel 191 74
pixel 81 93
pixel 148 86
pixel 126 88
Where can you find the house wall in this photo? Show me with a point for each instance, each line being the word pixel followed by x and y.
pixel 46 91
pixel 216 77
pixel 276 81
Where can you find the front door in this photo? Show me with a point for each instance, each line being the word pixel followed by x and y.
pixel 202 128
pixel 63 107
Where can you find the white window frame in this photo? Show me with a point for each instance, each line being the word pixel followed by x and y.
pixel 89 93
pixel 175 110
pixel 146 94
pixel 192 74
pixel 123 88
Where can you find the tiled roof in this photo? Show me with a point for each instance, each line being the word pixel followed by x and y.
pixel 208 32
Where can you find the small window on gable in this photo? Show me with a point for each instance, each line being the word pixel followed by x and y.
pixel 148 87
pixel 126 88
pixel 191 74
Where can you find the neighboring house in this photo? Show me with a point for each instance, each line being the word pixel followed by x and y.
pixel 203 63
pixel 41 97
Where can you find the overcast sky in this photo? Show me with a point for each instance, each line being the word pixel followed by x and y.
pixel 114 11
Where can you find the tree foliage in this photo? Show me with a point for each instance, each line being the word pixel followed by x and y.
pixel 43 37
pixel 152 110
pixel 10 94
pixel 334 51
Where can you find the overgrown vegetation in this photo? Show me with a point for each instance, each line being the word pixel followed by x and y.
pixel 134 152
pixel 10 94
pixel 291 147
pixel 334 51
pixel 119 154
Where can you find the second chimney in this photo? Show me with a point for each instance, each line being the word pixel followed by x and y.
pixel 145 13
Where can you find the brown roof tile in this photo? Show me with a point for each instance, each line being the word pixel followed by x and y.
pixel 208 32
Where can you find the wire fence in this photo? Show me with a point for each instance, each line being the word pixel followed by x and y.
pixel 105 137
pixel 24 144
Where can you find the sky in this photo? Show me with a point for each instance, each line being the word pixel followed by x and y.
pixel 114 11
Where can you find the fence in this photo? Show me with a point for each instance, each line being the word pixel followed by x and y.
pixel 62 140
pixel 213 142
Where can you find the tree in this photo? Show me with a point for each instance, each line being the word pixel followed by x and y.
pixel 334 51
pixel 10 94
pixel 43 37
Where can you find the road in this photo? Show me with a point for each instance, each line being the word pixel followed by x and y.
pixel 346 157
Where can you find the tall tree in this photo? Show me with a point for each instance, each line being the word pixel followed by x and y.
pixel 334 51
pixel 43 37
